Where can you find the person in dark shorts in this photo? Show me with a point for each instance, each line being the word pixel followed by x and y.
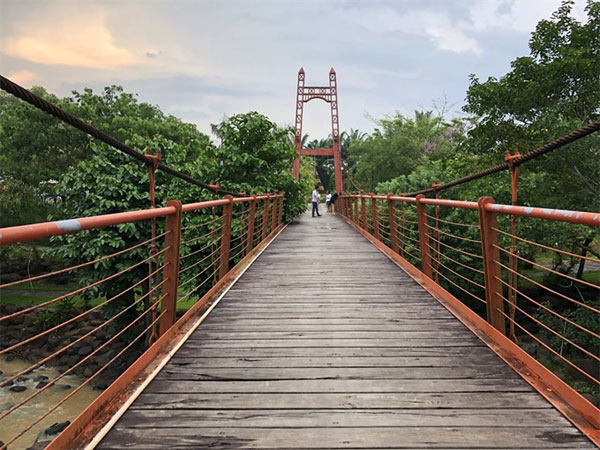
pixel 315 202
pixel 334 198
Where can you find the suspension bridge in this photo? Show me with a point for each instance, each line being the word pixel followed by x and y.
pixel 344 331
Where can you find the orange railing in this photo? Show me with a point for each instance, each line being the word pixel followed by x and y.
pixel 94 331
pixel 470 250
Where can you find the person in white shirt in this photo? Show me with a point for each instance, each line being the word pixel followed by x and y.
pixel 328 201
pixel 315 202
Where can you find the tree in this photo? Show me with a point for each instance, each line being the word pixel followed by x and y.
pixel 37 149
pixel 109 182
pixel 554 90
pixel 322 166
pixel 255 156
pixel 399 145
pixel 347 139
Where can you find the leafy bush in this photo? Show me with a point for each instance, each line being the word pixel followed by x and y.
pixel 62 311
pixel 580 315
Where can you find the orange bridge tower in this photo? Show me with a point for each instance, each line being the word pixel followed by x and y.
pixel 328 94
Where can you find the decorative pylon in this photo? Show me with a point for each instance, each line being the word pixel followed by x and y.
pixel 328 94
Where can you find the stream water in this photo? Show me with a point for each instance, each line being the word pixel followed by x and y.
pixel 21 418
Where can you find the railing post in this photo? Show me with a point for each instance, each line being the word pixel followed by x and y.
pixel 349 213
pixel 226 236
pixel 436 234
pixel 363 208
pixel 393 227
pixel 265 222
pixel 491 254
pixel 423 236
pixel 355 207
pixel 171 267
pixel 251 221
pixel 281 204
pixel 375 218
pixel 402 228
pixel 274 213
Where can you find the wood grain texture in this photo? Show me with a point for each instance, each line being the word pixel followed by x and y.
pixel 325 343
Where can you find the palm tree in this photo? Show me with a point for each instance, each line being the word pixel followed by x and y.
pixel 347 139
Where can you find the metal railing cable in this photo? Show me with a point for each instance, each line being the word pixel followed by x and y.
pixel 44 105
pixel 573 136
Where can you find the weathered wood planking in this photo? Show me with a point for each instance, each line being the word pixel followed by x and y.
pixel 326 343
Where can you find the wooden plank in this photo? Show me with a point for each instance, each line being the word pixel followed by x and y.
pixel 204 334
pixel 420 323
pixel 388 437
pixel 198 362
pixel 291 326
pixel 367 315
pixel 335 418
pixel 178 372
pixel 335 311
pixel 388 400
pixel 306 342
pixel 327 352
pixel 472 386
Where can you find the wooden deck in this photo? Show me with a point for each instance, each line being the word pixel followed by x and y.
pixel 324 342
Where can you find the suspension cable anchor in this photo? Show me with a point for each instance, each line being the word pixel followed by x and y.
pixel 510 159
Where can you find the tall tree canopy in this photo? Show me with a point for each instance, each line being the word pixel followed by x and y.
pixel 399 145
pixel 36 150
pixel 550 92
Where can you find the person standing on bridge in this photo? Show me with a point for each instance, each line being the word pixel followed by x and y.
pixel 315 201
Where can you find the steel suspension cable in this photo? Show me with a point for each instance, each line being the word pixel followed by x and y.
pixel 592 127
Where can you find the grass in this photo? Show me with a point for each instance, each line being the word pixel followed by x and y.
pixel 40 285
pixel 39 292
pixel 592 276
pixel 537 275
pixel 184 305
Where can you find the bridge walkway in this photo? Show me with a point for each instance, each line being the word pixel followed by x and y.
pixel 324 342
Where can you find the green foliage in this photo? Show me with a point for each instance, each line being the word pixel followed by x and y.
pixel 60 313
pixel 324 166
pixel 400 145
pixel 579 315
pixel 25 203
pixel 550 92
pixel 111 182
pixel 31 163
pixel 547 94
pixel 256 156
pixel 35 148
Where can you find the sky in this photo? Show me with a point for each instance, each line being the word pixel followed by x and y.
pixel 204 60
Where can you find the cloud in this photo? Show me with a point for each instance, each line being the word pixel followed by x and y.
pixel 445 34
pixel 22 77
pixel 81 40
pixel 520 16
pixel 447 37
